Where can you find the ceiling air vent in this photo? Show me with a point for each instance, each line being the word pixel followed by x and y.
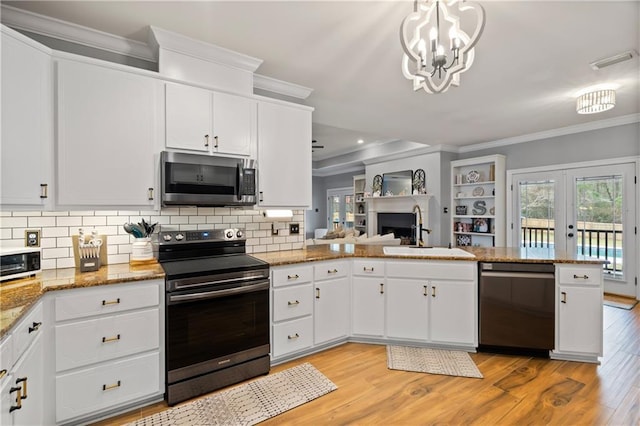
pixel 611 60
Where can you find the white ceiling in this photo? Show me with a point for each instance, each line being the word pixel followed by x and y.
pixel 531 60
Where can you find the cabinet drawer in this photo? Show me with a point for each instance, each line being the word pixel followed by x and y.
pixel 328 270
pixel 372 268
pixel 26 331
pixel 292 336
pixel 292 302
pixel 292 275
pixel 95 340
pixel 106 300
pixel 94 389
pixel 580 275
pixel 449 270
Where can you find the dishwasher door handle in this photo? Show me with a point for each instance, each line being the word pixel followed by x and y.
pixel 518 274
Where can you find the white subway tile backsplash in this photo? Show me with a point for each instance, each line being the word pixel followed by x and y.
pixel 58 227
pixel 69 221
pixel 13 222
pixel 51 253
pixel 94 221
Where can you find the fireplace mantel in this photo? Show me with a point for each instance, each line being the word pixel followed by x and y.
pixel 395 204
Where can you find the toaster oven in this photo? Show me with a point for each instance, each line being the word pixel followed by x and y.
pixel 19 262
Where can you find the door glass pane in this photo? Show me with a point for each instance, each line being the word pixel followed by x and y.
pixel 599 221
pixel 348 208
pixel 334 211
pixel 537 209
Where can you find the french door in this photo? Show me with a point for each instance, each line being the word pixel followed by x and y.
pixel 340 208
pixel 589 211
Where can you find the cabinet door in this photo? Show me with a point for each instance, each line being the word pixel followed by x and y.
pixel 368 306
pixel 331 316
pixel 188 117
pixel 234 124
pixel 29 374
pixel 108 129
pixel 452 312
pixel 27 133
pixel 284 156
pixel 580 319
pixel 407 302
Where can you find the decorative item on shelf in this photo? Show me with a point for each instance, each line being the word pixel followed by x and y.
pixel 479 208
pixel 360 209
pixel 492 211
pixel 463 240
pixel 478 191
pixel 424 35
pixel 480 225
pixel 461 195
pixel 376 186
pixel 461 210
pixel 492 172
pixel 419 182
pixel 459 179
pixel 473 176
pixel 141 250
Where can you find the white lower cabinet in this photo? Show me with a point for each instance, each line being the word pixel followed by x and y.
pixel 579 312
pixel 107 348
pixel 367 306
pixel 22 382
pixel 407 304
pixel 331 311
pixel 453 313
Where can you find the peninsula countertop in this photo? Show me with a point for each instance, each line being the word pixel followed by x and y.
pixel 17 296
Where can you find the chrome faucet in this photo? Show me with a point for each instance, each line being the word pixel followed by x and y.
pixel 420 229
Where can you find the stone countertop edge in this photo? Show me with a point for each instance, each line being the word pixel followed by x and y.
pixel 18 296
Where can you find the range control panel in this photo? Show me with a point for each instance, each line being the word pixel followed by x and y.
pixel 178 237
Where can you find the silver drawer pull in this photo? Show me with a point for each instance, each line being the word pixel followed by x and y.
pixel 292 337
pixel 293 303
pixel 293 277
pixel 367 269
pixel 113 386
pixel 110 302
pixel 335 271
pixel 110 339
pixel 584 277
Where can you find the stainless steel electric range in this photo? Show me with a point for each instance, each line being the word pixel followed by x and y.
pixel 217 311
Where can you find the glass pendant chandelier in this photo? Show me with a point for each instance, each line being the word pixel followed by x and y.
pixel 424 34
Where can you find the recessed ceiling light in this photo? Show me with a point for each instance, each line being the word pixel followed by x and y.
pixel 611 60
pixel 360 141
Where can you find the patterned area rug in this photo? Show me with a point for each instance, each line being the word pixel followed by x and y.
pixel 434 361
pixel 249 403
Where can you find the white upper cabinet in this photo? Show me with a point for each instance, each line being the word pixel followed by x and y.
pixel 27 131
pixel 284 155
pixel 109 126
pixel 209 122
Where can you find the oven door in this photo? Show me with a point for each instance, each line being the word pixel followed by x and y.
pixel 208 330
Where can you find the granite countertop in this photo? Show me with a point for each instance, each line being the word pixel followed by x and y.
pixel 17 296
pixel 483 254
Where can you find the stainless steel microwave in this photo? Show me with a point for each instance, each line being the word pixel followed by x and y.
pixel 206 180
pixel 19 262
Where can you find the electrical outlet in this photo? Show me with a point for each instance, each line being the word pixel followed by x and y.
pixel 31 238
pixel 294 228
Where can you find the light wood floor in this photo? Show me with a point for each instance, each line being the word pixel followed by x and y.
pixel 515 390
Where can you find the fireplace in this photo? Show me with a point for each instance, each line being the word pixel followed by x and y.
pixel 402 225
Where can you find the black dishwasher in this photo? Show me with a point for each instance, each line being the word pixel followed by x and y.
pixel 516 310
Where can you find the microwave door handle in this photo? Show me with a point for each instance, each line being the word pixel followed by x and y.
pixel 240 185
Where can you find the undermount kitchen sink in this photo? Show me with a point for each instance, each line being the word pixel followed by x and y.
pixel 426 251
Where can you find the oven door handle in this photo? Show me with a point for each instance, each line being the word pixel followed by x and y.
pixel 181 298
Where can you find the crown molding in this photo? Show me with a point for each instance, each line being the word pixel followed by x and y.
pixel 562 131
pixel 50 27
pixel 338 169
pixel 281 87
pixel 210 52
